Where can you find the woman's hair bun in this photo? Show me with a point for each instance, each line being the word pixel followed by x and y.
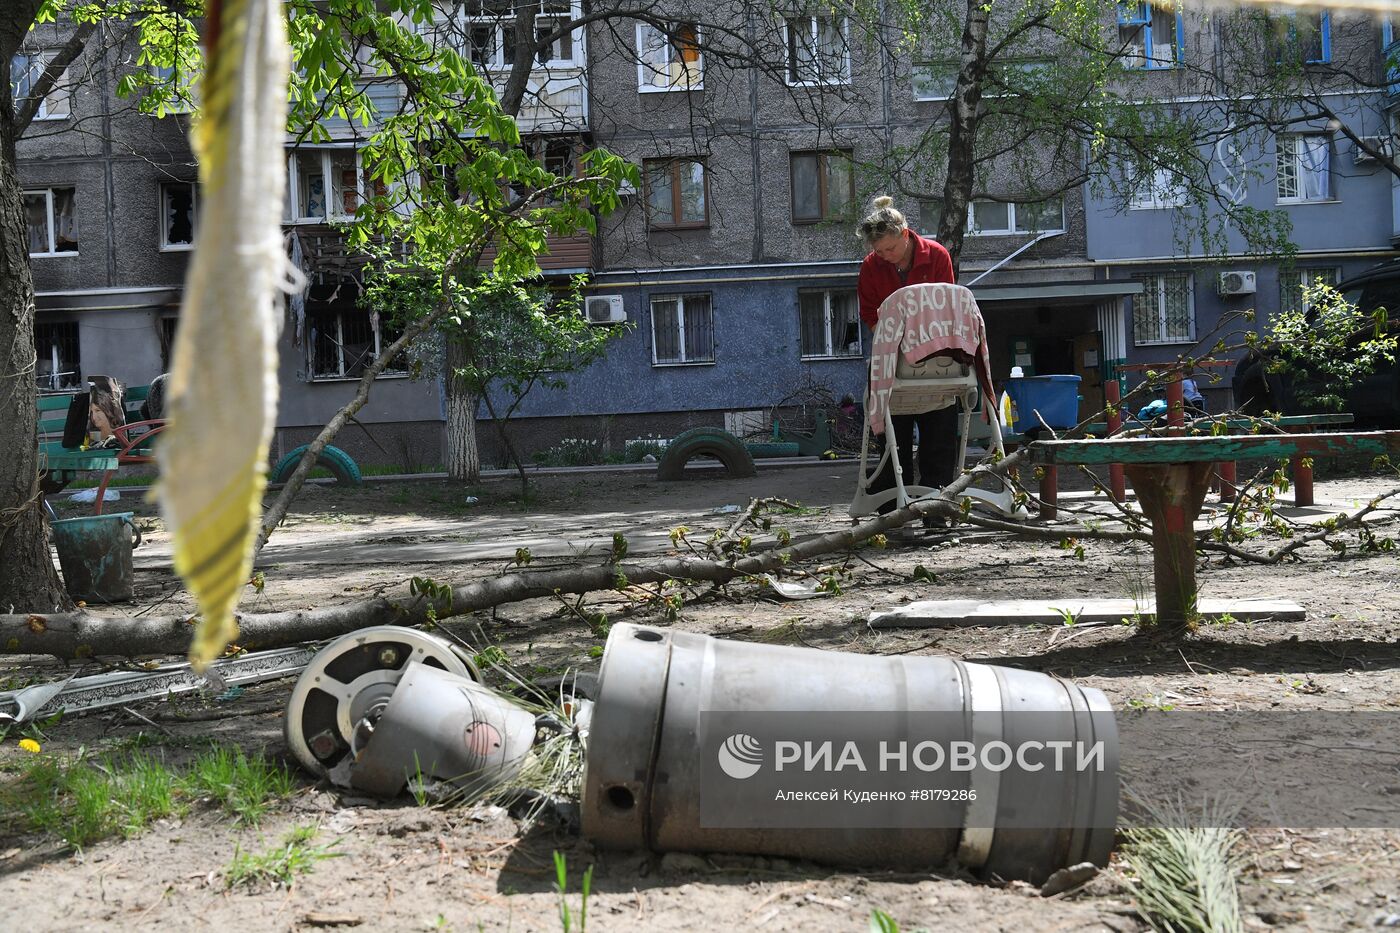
pixel 883 202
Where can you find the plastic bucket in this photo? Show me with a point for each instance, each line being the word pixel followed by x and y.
pixel 94 553
pixel 1056 398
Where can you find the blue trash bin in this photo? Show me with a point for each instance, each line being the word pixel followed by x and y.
pixel 1055 398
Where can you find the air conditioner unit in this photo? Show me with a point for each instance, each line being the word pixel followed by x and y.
pixel 1236 283
pixel 604 309
pixel 1383 144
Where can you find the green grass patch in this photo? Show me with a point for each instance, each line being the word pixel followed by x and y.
pixel 244 786
pixel 280 865
pixel 1184 879
pixel 394 470
pixel 139 479
pixel 89 797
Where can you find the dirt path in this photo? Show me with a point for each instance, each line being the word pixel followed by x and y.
pixel 407 868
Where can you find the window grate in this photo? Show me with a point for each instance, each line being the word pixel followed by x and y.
pixel 682 330
pixel 344 343
pixel 1165 311
pixel 57 362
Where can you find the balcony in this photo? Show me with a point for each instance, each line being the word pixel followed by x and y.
pixel 564 254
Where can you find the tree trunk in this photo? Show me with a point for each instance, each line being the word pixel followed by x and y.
pixel 504 434
pixel 463 456
pixel 962 130
pixel 28 580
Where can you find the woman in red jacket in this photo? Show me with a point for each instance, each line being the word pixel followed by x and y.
pixel 898 257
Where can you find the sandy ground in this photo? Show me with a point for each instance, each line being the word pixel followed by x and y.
pixel 402 867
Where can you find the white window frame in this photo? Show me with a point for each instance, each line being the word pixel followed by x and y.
pixel 376 329
pixel 35 65
pixel 165 245
pixel 1300 279
pixel 1156 285
pixel 503 23
pixel 680 300
pixel 1011 220
pixel 922 75
pixel 53 249
pixel 814 35
pixel 290 215
pixel 1300 168
pixel 1163 189
pixel 646 72
pixel 182 99
pixel 831 351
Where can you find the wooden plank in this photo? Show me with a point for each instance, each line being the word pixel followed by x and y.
pixel 960 613
pixel 1336 419
pixel 1209 449
pixel 54 457
pixel 55 402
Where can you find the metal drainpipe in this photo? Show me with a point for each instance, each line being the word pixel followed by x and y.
pixel 755 150
pixel 108 179
pixel 1044 236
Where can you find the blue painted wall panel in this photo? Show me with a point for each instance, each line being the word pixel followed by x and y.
pixel 756 364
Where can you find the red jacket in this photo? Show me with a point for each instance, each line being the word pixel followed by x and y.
pixel 880 279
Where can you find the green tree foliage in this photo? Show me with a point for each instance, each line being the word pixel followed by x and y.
pixel 1327 346
pixel 512 337
pixel 1050 100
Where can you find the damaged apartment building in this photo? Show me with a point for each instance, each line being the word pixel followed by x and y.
pixel 735 261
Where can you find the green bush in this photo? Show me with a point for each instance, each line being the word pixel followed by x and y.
pixel 571 451
pixel 636 451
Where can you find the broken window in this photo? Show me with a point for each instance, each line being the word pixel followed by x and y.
pixel 166 332
pixel 51 224
pixel 178 215
pixel 488 27
pixel 344 343
pixel 669 60
pixel 324 185
pixel 830 323
pixel 56 364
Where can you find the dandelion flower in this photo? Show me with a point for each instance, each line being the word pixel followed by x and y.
pixel 29 745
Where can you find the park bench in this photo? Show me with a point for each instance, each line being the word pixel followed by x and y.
pixel 1171 476
pixel 61 465
pixel 1300 466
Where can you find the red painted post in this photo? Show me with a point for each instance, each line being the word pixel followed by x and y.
pixel 1226 471
pixel 1176 407
pixel 1302 478
pixel 1112 394
pixel 1049 491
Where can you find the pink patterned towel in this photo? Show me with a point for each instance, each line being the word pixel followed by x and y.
pixel 922 321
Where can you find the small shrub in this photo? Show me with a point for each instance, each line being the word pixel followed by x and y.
pixel 281 864
pixel 637 450
pixel 571 451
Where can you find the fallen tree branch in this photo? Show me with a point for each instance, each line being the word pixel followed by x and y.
pixel 82 635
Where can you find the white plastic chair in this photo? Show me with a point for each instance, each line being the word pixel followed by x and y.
pixel 934 382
